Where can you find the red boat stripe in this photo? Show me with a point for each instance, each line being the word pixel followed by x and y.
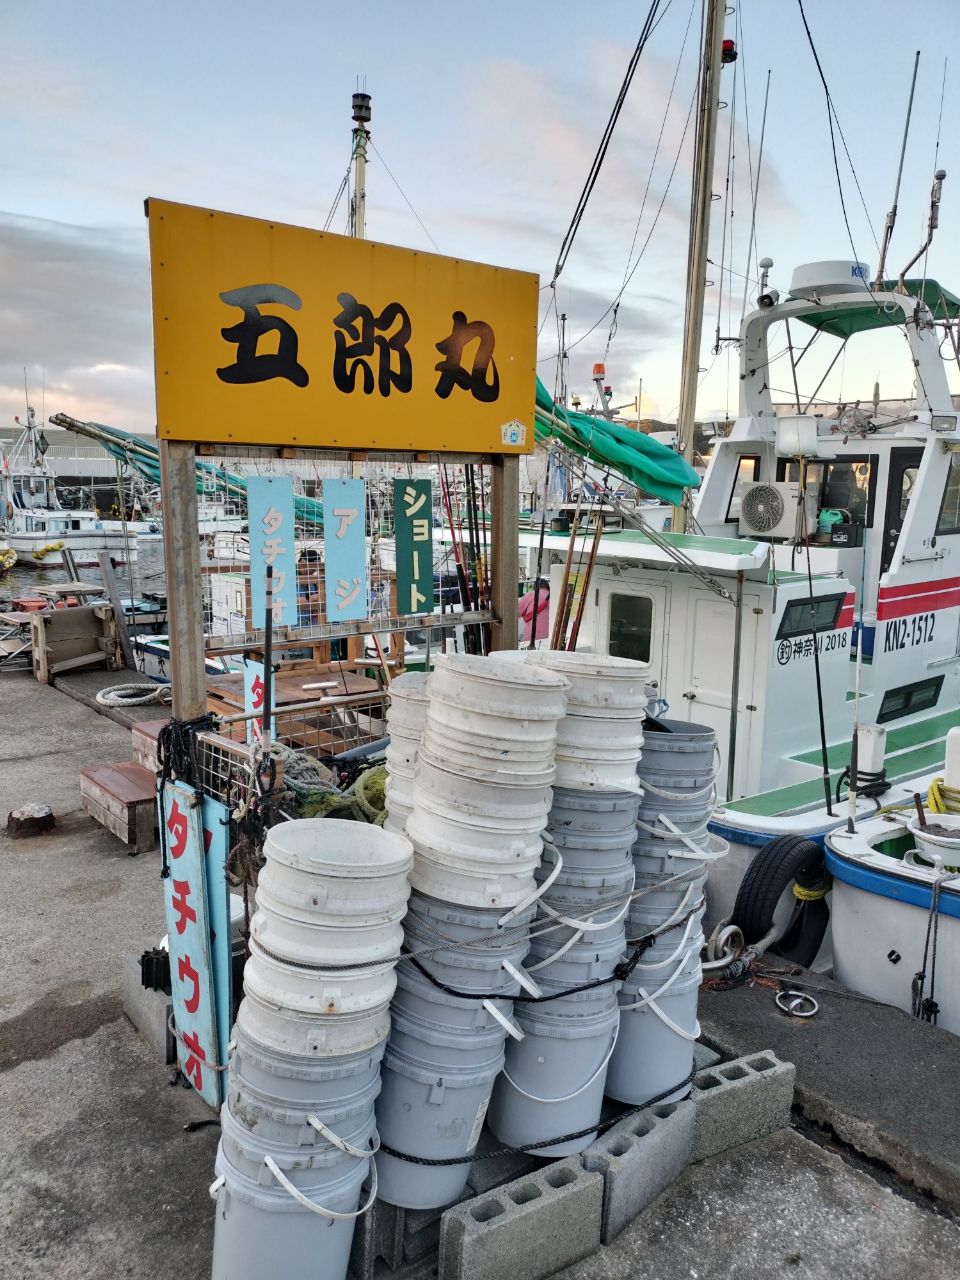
pixel 908 605
pixel 918 588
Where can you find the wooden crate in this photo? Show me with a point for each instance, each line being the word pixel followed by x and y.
pixel 122 798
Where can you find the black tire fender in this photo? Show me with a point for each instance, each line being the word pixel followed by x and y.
pixel 777 866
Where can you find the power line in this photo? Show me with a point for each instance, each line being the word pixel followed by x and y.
pixel 404 194
pixel 338 197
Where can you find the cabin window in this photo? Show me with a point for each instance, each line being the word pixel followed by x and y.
pixel 748 472
pixel 949 519
pixel 909 698
pixel 846 484
pixel 796 620
pixel 631 626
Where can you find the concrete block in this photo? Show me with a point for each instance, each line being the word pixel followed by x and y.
pixel 638 1158
pixel 149 1011
pixel 740 1101
pixel 704 1057
pixel 531 1227
pixel 377 1235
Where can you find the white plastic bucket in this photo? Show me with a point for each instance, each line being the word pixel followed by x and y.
pixel 267 1018
pixel 598 753
pixel 600 684
pixel 247 1151
pixel 514 690
pixel 485 797
pixel 658 1028
pixel 420 1009
pixel 498 876
pixel 553 1079
pixel 678 749
pixel 336 868
pixel 277 1119
pixel 595 822
pixel 317 992
pixel 942 851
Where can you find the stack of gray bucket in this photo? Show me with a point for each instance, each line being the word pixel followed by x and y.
pixel 298 1124
pixel 481 797
pixel 658 1002
pixel 554 1078
pixel 405 718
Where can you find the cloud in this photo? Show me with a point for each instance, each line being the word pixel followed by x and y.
pixel 75 311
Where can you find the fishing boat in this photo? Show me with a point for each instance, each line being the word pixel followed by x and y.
pixel 36 525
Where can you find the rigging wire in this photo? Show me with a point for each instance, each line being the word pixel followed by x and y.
pixel 727 207
pixel 594 172
pixel 676 160
pixel 936 157
pixel 646 189
pixel 406 198
pixel 338 197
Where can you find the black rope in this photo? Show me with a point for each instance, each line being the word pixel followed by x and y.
pixel 870 785
pixel 177 759
pixel 601 1127
pixel 926 1007
pixel 620 973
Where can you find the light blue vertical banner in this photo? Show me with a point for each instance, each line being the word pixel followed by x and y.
pixel 215 818
pixel 253 691
pixel 272 533
pixel 188 941
pixel 345 549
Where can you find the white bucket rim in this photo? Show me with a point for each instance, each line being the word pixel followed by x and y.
pixel 369 852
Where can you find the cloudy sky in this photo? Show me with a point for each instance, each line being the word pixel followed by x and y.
pixel 488 117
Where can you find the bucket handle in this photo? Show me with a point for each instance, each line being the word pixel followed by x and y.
pixel 587 924
pixel 531 898
pixel 662 835
pixel 561 951
pixel 667 1021
pixel 662 964
pixel 303 1200
pixel 678 914
pixel 316 1123
pixel 214 1188
pixel 511 1028
pixel 532 1097
pixel 679 795
pixel 649 999
pixel 519 974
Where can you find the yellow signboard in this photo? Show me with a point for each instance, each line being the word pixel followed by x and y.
pixel 271 334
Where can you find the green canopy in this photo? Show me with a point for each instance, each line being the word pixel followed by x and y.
pixel 644 462
pixel 843 322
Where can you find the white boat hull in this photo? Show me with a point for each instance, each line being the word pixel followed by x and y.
pixel 44 550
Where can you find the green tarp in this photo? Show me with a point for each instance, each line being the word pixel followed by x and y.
pixel 644 462
pixel 843 322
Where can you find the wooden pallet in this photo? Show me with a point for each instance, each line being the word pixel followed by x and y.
pixel 123 798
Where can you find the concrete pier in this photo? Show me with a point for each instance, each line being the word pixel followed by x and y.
pixel 99 1178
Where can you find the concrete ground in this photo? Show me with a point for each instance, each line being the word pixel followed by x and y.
pixel 99 1179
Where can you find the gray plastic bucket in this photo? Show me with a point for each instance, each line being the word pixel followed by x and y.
pixel 573 895
pixel 419 999
pixel 274 1118
pixel 261 1230
pixel 657 901
pixel 585 820
pixel 657 1034
pixel 677 748
pixel 553 1079
pixel 247 1151
pixel 302 1081
pixel 435 1113
pixel 432 924
pixel 582 962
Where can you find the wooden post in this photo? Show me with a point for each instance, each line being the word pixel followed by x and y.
pixel 119 618
pixel 505 551
pixel 181 546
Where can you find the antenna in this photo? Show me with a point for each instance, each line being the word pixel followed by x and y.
pixel 892 215
pixel 932 223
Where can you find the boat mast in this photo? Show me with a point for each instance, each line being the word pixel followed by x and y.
pixel 714 54
pixel 892 215
pixel 361 136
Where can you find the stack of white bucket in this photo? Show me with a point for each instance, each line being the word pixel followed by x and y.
pixel 554 1079
pixel 658 1002
pixel 298 1126
pixel 481 797
pixel 405 717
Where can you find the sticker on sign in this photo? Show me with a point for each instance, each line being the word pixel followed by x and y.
pixel 513 433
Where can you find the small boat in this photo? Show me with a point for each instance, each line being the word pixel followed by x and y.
pixel 36 525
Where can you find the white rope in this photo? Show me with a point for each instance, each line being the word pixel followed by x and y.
pixel 135 695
